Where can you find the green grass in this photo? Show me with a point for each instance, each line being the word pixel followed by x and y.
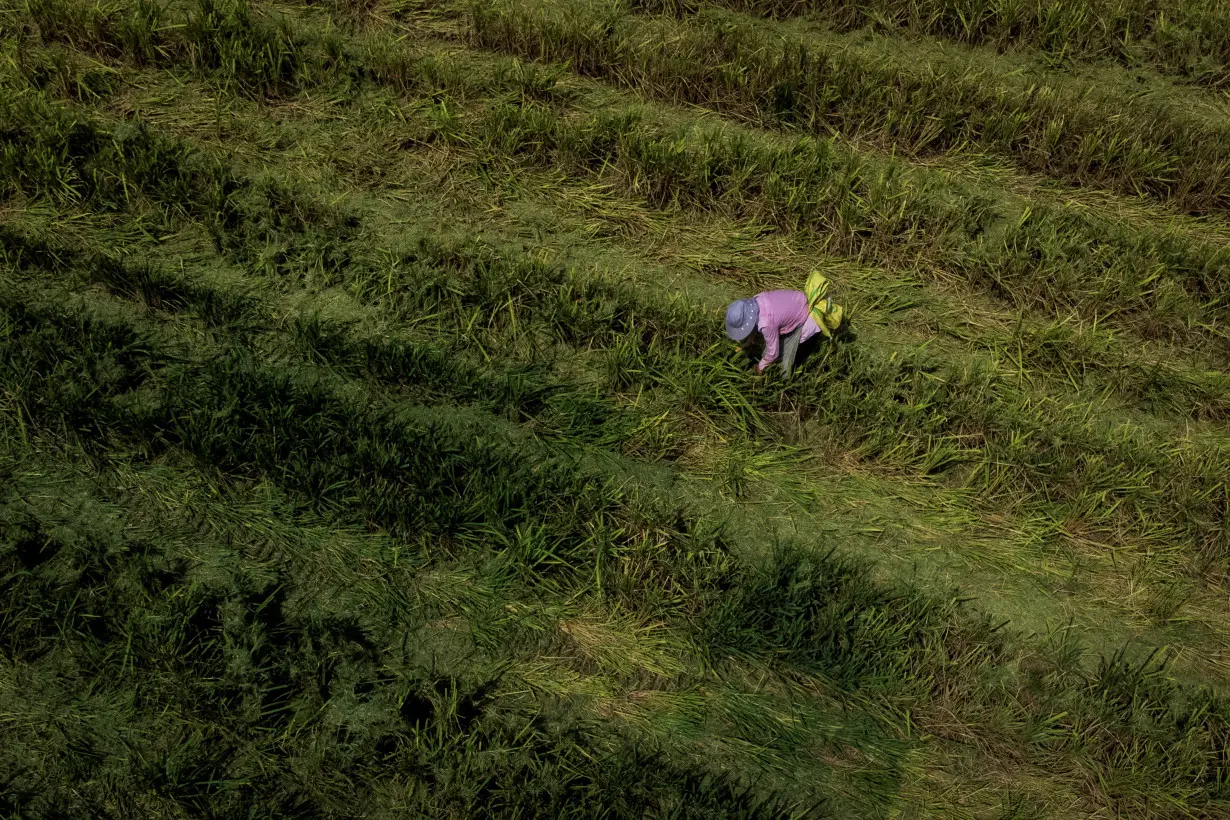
pixel 1187 40
pixel 780 75
pixel 369 446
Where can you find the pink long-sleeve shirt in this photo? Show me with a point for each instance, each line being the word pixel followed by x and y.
pixel 781 311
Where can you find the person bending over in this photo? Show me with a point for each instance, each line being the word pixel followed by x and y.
pixel 785 319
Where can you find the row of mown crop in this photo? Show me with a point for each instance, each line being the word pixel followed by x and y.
pixel 1190 40
pixel 1068 129
pixel 925 414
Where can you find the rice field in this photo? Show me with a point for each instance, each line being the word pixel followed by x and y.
pixel 370 444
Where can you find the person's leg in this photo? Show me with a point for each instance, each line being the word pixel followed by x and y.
pixel 792 341
pixel 790 348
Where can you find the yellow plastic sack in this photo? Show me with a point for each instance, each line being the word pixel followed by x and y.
pixel 824 313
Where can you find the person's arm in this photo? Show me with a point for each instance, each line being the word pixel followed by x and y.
pixel 770 334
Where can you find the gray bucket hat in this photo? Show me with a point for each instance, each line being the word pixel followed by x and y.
pixel 741 319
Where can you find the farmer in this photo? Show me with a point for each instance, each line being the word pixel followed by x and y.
pixel 785 319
